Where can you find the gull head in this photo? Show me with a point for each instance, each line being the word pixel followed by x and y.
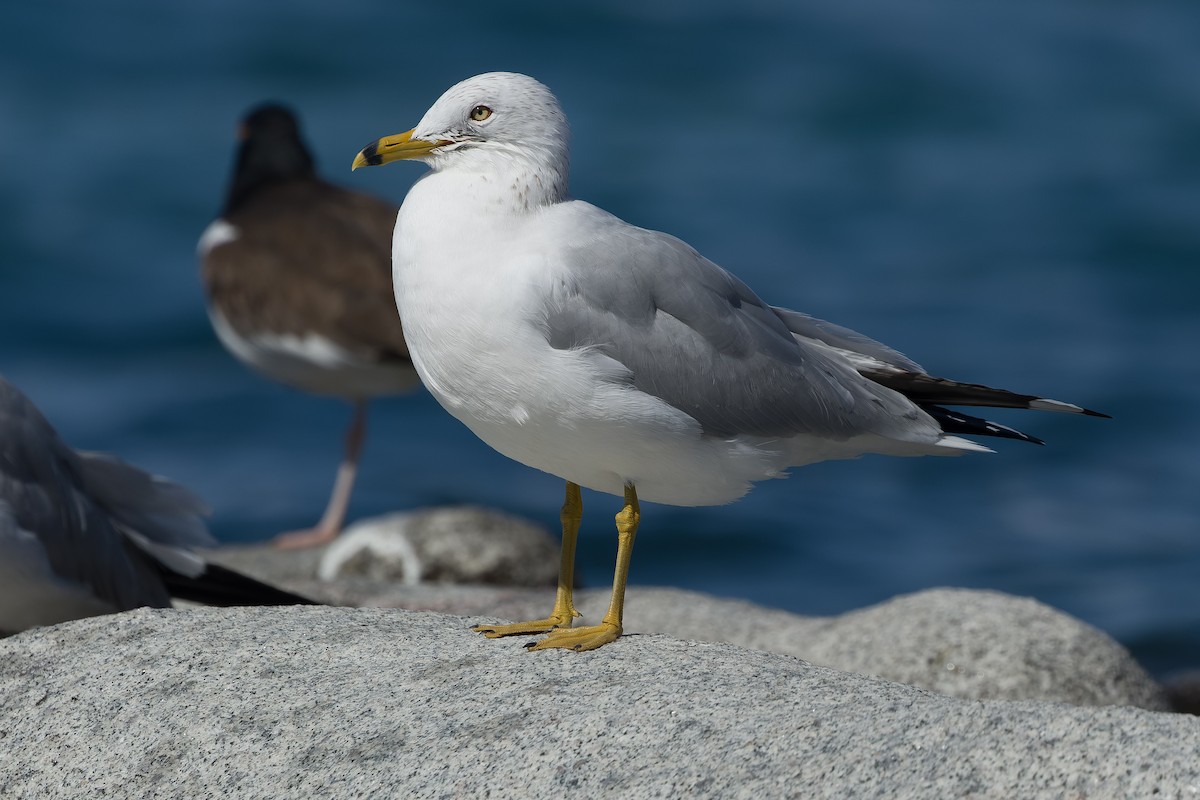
pixel 484 123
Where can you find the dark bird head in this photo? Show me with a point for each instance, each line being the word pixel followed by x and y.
pixel 271 149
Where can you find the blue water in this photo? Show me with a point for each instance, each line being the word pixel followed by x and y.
pixel 1007 192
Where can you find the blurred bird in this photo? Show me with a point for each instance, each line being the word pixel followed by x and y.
pixel 298 277
pixel 83 534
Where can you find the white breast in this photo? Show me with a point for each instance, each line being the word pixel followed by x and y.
pixel 470 313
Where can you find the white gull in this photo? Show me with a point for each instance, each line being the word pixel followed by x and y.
pixel 619 358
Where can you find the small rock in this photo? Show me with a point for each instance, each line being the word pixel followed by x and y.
pixel 445 545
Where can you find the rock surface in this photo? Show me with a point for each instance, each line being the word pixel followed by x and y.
pixel 337 702
pixel 444 545
pixel 959 642
pixel 962 643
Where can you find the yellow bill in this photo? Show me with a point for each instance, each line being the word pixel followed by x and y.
pixel 394 148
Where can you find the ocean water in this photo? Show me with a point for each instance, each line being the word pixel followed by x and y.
pixel 1008 193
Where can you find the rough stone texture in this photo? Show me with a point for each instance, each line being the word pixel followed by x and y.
pixel 958 642
pixel 335 702
pixel 461 544
pixel 445 545
pixel 962 643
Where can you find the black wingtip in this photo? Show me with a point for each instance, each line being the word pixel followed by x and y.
pixel 219 586
pixel 959 423
pixel 1087 412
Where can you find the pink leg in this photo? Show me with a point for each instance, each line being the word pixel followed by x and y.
pixel 330 525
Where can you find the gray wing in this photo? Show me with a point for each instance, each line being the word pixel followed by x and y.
pixel 41 481
pixel 863 352
pixel 163 519
pixel 695 336
pixel 887 367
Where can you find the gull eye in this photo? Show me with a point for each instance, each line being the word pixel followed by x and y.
pixel 480 113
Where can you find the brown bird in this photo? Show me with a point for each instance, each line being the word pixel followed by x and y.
pixel 298 277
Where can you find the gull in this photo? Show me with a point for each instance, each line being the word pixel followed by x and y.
pixel 83 533
pixel 297 273
pixel 618 358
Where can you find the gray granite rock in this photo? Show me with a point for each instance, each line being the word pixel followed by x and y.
pixel 962 643
pixel 445 545
pixel 460 544
pixel 958 642
pixel 336 702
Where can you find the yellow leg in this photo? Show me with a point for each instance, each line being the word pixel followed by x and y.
pixel 564 606
pixel 590 637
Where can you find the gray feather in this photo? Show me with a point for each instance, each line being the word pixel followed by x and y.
pixel 41 482
pixel 851 344
pixel 695 336
pixel 882 364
